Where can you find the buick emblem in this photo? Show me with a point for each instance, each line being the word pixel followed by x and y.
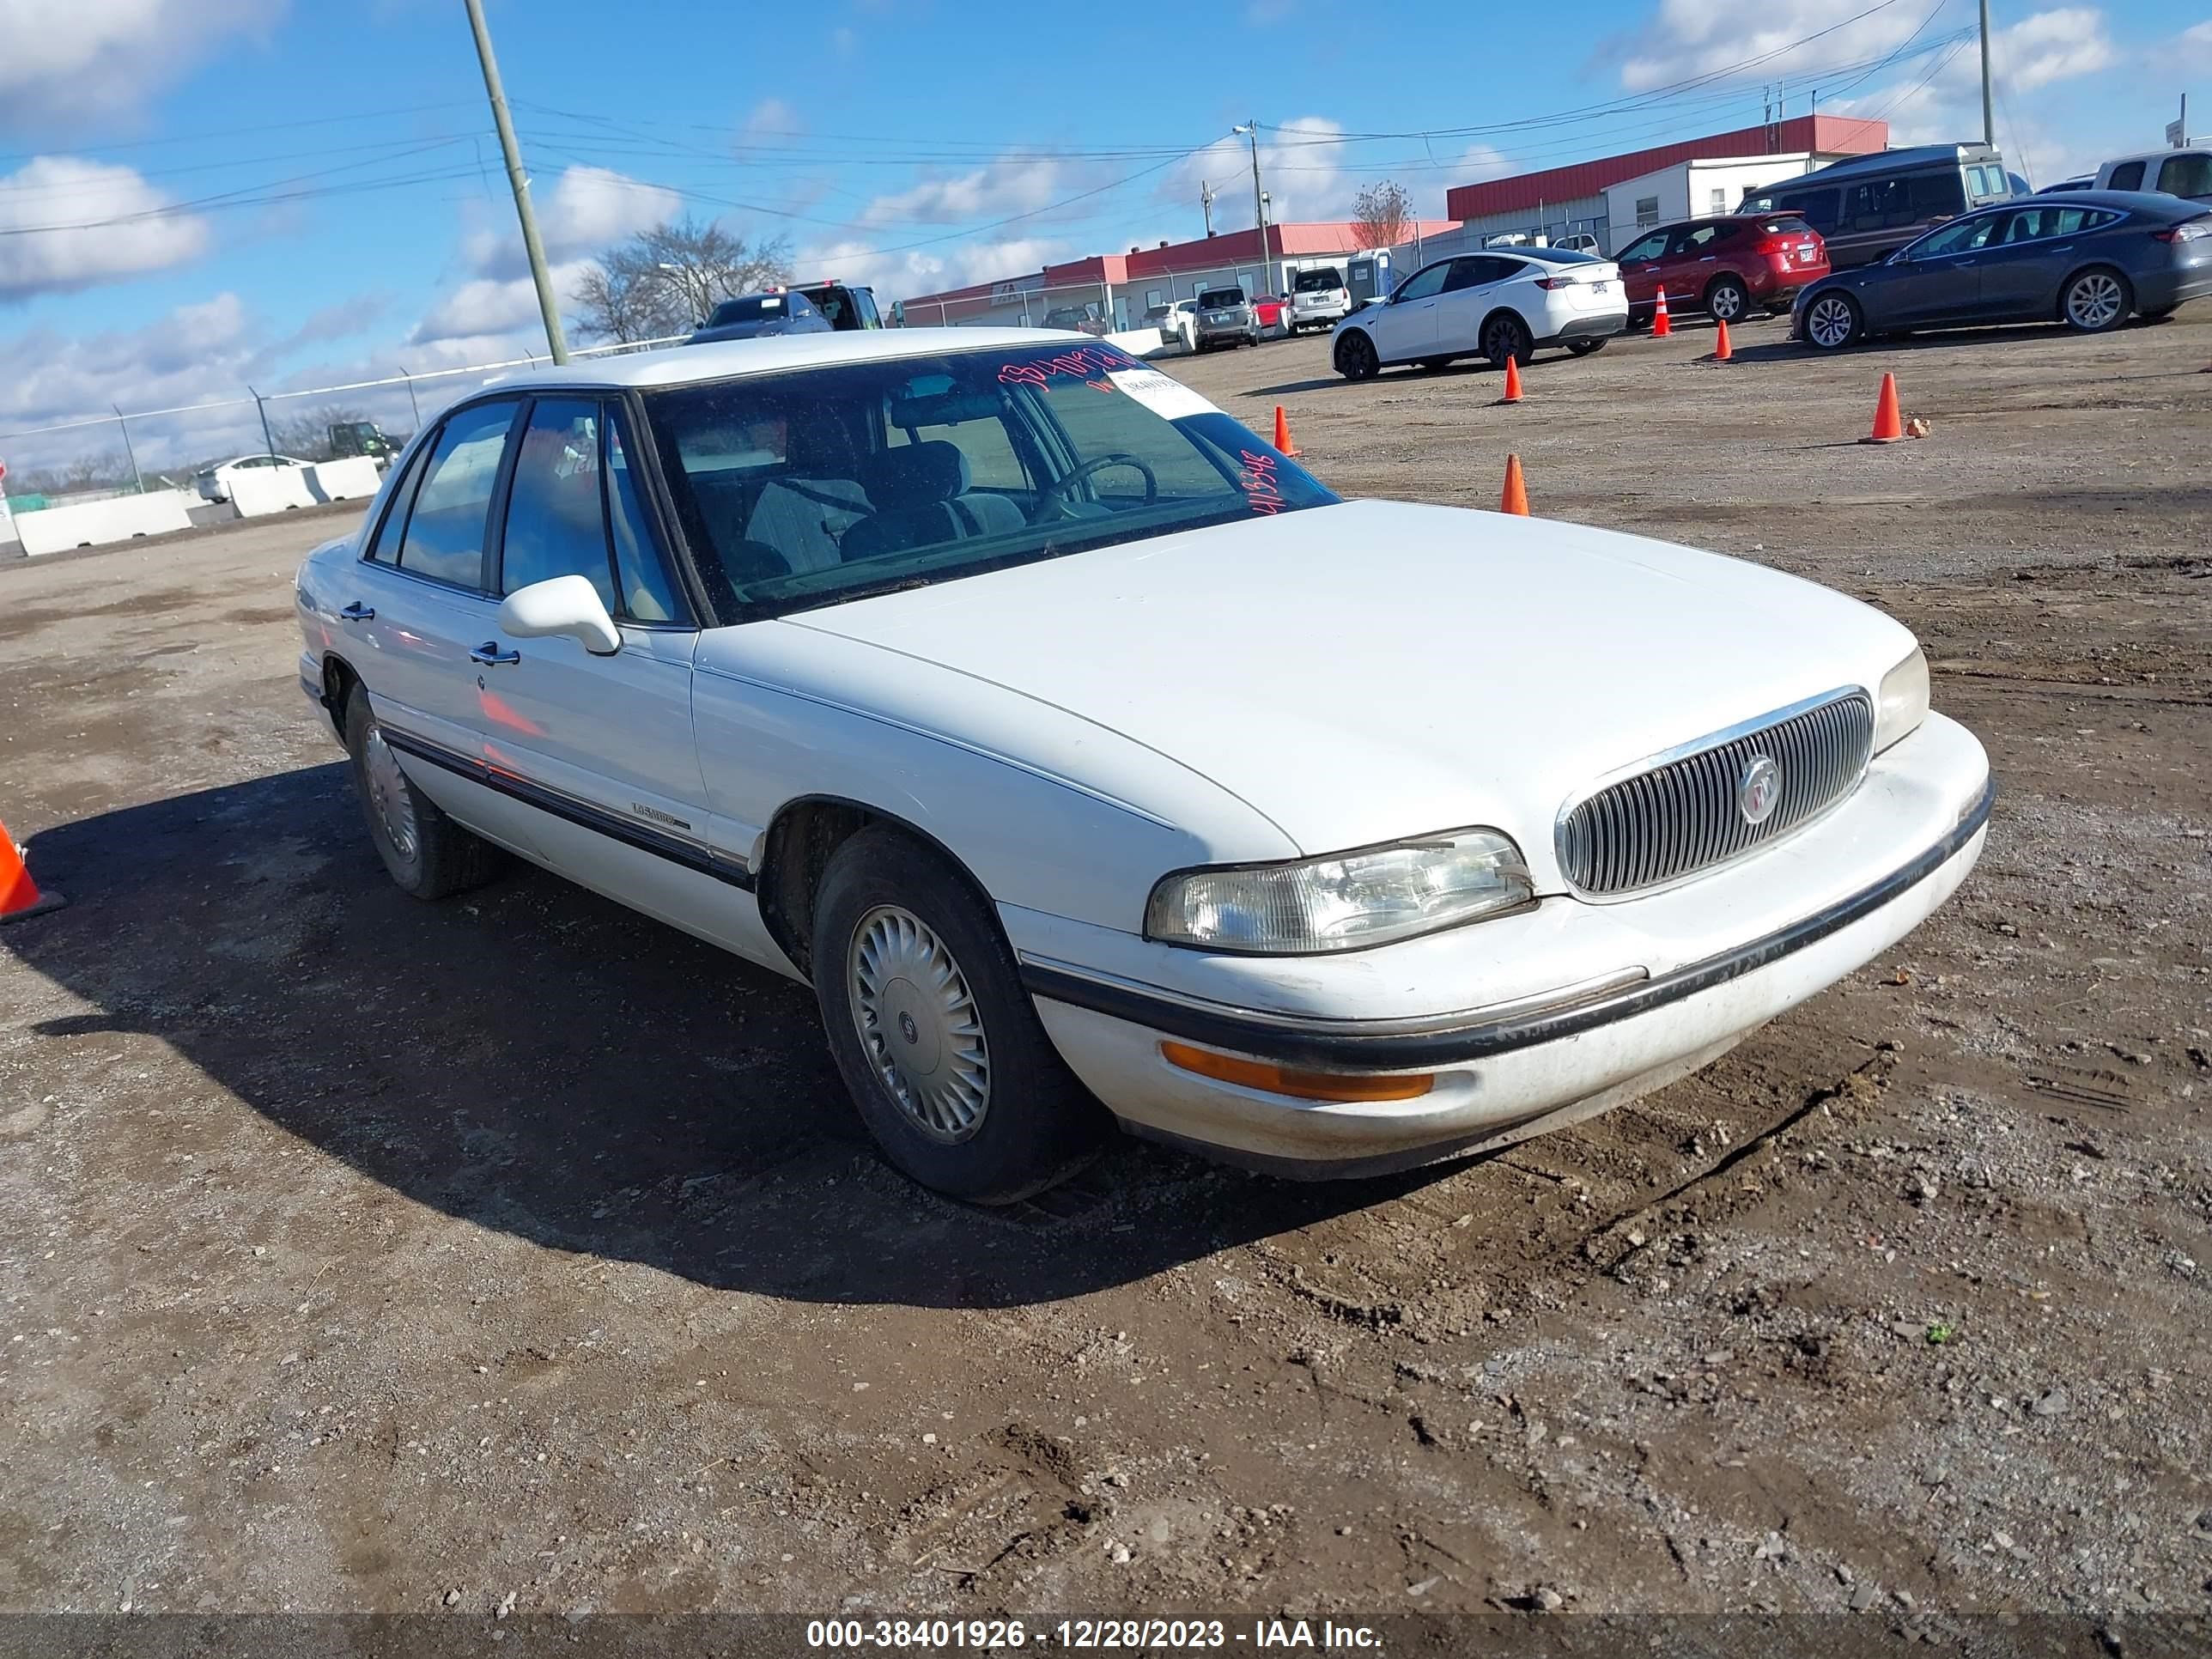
pixel 1759 790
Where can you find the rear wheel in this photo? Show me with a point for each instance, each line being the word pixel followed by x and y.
pixel 424 851
pixel 1356 358
pixel 1583 347
pixel 1504 338
pixel 1832 321
pixel 1727 300
pixel 2096 301
pixel 932 1031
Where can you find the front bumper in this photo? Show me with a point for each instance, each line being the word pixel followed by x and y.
pixel 1587 1026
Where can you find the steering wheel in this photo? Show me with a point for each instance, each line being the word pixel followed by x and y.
pixel 1053 497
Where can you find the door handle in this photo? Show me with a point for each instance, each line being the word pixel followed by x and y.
pixel 359 612
pixel 491 656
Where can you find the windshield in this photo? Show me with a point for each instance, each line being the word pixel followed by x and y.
pixel 1312 282
pixel 821 485
pixel 1214 298
pixel 756 308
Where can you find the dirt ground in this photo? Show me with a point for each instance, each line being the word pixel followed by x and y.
pixel 366 1255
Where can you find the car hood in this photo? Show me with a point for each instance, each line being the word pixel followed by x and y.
pixel 1370 671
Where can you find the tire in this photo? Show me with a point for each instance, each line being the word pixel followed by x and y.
pixel 2162 314
pixel 1356 358
pixel 1585 347
pixel 997 1115
pixel 425 853
pixel 1832 321
pixel 2096 301
pixel 1727 300
pixel 1503 336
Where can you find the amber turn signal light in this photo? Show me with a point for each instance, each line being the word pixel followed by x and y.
pixel 1299 1085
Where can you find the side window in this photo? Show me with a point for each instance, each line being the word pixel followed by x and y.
pixel 2127 176
pixel 865 302
pixel 992 463
pixel 1933 193
pixel 1693 241
pixel 1472 272
pixel 2186 175
pixel 1964 237
pixel 556 525
pixel 640 574
pixel 1817 210
pixel 385 548
pixel 1648 247
pixel 444 536
pixel 1425 282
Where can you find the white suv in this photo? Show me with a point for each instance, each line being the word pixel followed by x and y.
pixel 1499 305
pixel 1318 298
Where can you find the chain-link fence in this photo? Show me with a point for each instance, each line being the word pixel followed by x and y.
pixel 124 452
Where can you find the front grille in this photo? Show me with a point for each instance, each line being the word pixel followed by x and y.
pixel 1683 816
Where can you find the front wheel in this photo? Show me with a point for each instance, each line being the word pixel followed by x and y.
pixel 1506 337
pixel 1832 321
pixel 2096 301
pixel 935 1037
pixel 1583 347
pixel 1356 357
pixel 424 851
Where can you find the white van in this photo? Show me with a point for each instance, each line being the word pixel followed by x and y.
pixel 2175 172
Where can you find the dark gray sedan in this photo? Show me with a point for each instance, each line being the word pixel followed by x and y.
pixel 2089 258
pixel 758 316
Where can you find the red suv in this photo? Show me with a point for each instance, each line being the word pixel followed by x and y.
pixel 1724 266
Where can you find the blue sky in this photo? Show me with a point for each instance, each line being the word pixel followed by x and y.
pixel 289 193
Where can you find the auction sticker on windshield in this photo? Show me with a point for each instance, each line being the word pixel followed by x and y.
pixel 1165 396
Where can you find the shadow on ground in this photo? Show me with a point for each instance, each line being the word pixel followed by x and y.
pixel 537 1059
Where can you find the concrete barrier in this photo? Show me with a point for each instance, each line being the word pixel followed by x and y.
pixel 260 490
pixel 1137 342
pixel 56 529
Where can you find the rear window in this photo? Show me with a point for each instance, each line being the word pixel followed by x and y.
pixel 1316 282
pixel 1216 297
pixel 752 309
pixel 1784 226
pixel 2127 176
pixel 2186 175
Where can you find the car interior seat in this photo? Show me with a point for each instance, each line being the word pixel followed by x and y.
pixel 922 498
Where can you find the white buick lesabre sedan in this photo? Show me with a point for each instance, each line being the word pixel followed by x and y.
pixel 1094 762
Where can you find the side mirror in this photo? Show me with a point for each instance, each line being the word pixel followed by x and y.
pixel 565 606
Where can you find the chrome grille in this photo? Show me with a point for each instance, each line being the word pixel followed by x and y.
pixel 1682 815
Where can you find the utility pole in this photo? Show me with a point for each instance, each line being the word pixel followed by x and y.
pixel 1205 205
pixel 136 483
pixel 547 305
pixel 1251 128
pixel 1989 109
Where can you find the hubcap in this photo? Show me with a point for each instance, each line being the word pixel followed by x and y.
pixel 1830 325
pixel 1726 301
pixel 2095 301
pixel 389 797
pixel 919 1023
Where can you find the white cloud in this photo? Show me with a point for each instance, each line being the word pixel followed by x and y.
pixel 1688 37
pixel 1301 169
pixel 586 210
pixel 1010 185
pixel 843 41
pixel 931 271
pixel 771 120
pixel 63 60
pixel 67 191
pixel 491 306
pixel 2193 46
pixel 2052 46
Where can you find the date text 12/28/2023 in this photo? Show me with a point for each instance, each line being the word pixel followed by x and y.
pixel 995 1635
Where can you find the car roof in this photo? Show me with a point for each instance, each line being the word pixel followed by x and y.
pixel 2153 155
pixel 722 360
pixel 1888 161
pixel 2156 203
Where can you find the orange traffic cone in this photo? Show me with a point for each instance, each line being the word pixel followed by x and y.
pixel 1723 353
pixel 1887 427
pixel 1515 498
pixel 1512 381
pixel 1283 444
pixel 19 894
pixel 1661 328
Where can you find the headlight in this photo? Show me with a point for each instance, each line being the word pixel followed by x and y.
pixel 1904 700
pixel 1344 902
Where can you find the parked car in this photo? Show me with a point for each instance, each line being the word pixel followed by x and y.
pixel 1274 315
pixel 1580 242
pixel 2090 260
pixel 347 439
pixel 1224 317
pixel 2183 173
pixel 214 482
pixel 1053 859
pixel 844 306
pixel 2087 181
pixel 761 316
pixel 1867 207
pixel 1179 326
pixel 1319 298
pixel 1726 266
pixel 1089 318
pixel 1497 305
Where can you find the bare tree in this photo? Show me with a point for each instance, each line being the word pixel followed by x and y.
pixel 1382 214
pixel 666 280
pixel 305 437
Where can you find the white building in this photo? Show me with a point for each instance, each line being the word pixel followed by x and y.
pixel 1693 189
